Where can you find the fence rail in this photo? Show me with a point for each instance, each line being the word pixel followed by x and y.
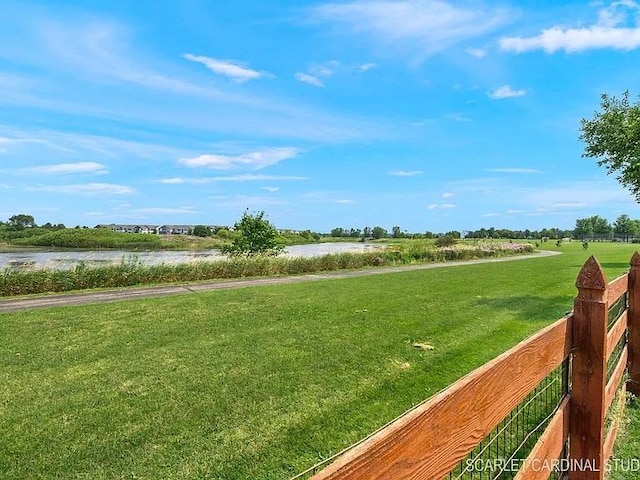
pixel 566 377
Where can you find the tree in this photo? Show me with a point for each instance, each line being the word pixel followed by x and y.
pixel 601 227
pixel 613 136
pixel 21 221
pixel 254 236
pixel 202 231
pixel 624 227
pixel 584 229
pixel 378 232
pixel 396 232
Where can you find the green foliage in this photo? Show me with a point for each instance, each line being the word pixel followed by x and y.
pixel 445 241
pixel 592 227
pixel 624 227
pixel 21 221
pixel 202 231
pixel 254 236
pixel 613 137
pixel 131 272
pixel 89 238
pixel 378 233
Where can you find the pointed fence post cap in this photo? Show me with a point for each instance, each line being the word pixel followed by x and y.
pixel 635 260
pixel 591 276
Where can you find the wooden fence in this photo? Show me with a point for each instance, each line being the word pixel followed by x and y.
pixel 435 438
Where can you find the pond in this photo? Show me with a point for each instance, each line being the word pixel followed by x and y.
pixel 62 260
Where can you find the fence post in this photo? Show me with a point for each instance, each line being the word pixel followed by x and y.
pixel 589 335
pixel 633 318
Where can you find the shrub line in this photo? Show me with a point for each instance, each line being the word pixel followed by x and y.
pixel 115 295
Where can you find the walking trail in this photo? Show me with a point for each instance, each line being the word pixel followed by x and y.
pixel 117 295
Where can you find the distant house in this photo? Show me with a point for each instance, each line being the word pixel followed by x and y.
pixel 129 228
pixel 161 230
pixel 175 229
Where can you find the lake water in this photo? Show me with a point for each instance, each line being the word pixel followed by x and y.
pixel 62 260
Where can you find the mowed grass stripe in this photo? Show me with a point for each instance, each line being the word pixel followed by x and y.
pixel 261 382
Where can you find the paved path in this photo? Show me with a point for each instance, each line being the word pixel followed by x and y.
pixel 116 295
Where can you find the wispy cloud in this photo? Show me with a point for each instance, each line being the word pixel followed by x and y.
pixel 165 210
pixel 506 91
pixel 346 202
pixel 524 171
pixel 365 67
pixel 428 25
pixel 247 177
pixel 405 173
pixel 270 189
pixel 246 200
pixel 447 195
pixel 616 28
pixel 253 160
pixel 325 70
pixel 228 68
pixel 309 79
pixel 436 206
pixel 68 168
pixel 568 205
pixel 477 52
pixel 88 189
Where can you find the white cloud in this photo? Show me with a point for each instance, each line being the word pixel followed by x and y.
pixel 173 181
pixel 309 79
pixel 490 215
pixel 69 168
pixel 428 25
pixel 88 189
pixel 235 70
pixel 250 177
pixel 405 173
pixel 253 160
pixel 246 200
pixel 325 70
pixel 435 206
pixel 569 205
pixel 247 177
pixel 346 202
pixel 163 210
pixel 513 212
pixel 447 195
pixel 477 52
pixel 270 189
pixel 506 91
pixel 609 31
pixel 456 117
pixel 365 67
pixel 524 171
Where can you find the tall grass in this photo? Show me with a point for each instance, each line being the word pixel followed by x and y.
pixel 91 238
pixel 132 272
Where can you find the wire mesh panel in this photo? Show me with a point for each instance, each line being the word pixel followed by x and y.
pixel 501 453
pixel 616 309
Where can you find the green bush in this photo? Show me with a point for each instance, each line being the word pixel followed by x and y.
pixel 446 241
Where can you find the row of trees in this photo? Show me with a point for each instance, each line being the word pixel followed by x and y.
pixel 598 228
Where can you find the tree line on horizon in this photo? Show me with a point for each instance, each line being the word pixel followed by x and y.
pixel 594 228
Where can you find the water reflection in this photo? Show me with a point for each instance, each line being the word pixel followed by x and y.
pixel 69 259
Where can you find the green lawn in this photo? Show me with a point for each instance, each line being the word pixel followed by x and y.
pixel 258 383
pixel 627 445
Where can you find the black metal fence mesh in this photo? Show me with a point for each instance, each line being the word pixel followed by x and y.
pixel 502 453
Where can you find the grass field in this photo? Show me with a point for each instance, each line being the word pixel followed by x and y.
pixel 258 383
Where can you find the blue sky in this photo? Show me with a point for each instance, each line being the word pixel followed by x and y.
pixel 430 115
